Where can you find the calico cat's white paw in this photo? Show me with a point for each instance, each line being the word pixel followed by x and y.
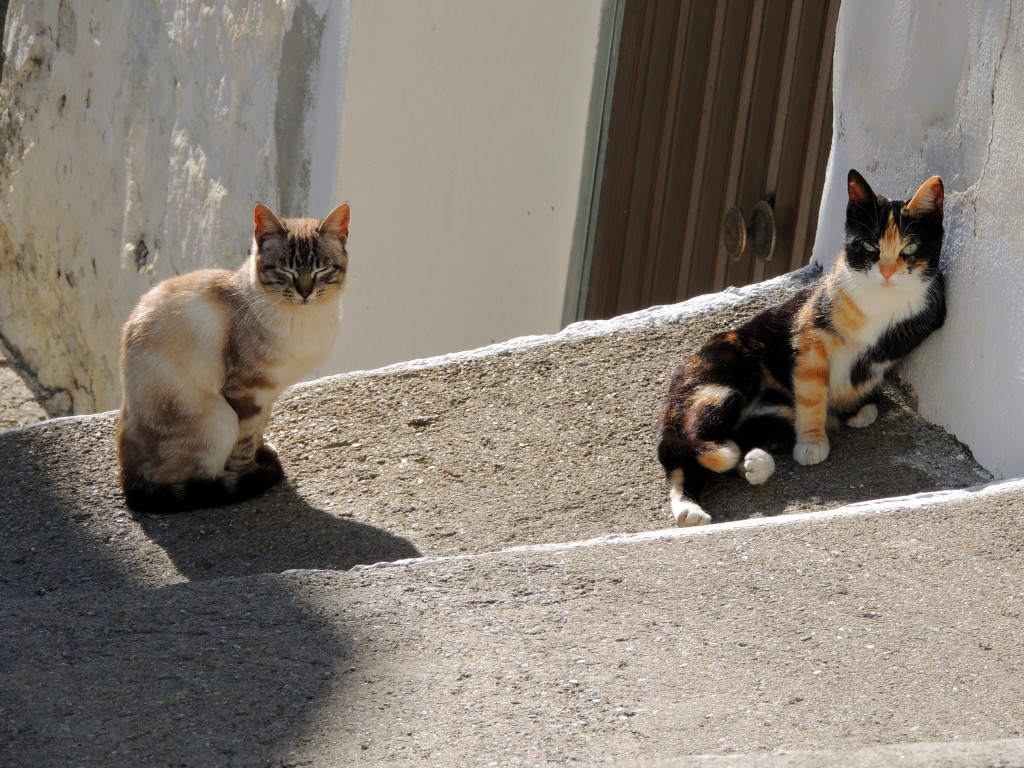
pixel 758 466
pixel 865 417
pixel 811 453
pixel 688 514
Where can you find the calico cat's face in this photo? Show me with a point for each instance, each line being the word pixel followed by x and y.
pixel 891 242
pixel 300 261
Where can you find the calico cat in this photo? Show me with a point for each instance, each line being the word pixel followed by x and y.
pixel 793 372
pixel 204 356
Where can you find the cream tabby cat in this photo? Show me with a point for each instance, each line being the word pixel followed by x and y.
pixel 204 356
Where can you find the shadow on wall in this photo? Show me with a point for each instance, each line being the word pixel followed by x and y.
pixel 3 25
pixel 109 658
pixel 22 400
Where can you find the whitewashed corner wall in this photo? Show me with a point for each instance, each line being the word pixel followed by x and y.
pixel 135 139
pixel 927 87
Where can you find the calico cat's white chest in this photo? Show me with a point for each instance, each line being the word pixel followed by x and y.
pixel 881 306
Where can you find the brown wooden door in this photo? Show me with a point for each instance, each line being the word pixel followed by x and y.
pixel 715 103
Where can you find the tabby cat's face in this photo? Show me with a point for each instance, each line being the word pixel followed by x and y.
pixel 300 261
pixel 891 242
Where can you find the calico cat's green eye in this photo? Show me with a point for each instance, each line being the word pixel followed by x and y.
pixel 910 249
pixel 869 246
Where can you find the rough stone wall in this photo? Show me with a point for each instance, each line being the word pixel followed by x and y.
pixel 928 87
pixel 134 138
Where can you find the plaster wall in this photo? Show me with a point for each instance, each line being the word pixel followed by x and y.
pixel 462 152
pixel 927 87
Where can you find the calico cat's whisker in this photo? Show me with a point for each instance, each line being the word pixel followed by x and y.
pixel 790 374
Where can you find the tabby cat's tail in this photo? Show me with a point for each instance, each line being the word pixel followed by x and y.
pixel 143 495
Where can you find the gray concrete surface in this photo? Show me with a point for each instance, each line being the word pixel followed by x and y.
pixel 542 611
pixel 1003 752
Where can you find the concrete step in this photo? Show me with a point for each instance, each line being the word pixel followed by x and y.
pixel 541 609
pixel 540 440
pixel 1001 753
pixel 874 624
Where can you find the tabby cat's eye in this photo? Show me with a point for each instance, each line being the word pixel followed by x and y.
pixel 327 273
pixel 910 249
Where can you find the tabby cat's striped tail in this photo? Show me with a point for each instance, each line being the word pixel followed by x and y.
pixel 143 495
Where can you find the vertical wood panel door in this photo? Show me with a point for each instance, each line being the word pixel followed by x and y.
pixel 715 104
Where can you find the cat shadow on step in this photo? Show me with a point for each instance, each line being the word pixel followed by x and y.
pixel 275 532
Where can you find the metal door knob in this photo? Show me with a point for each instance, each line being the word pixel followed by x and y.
pixel 760 232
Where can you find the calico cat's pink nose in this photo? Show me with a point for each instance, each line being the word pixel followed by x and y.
pixel 887 271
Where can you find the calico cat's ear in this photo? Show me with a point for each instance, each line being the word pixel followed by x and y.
pixel 928 198
pixel 336 223
pixel 265 223
pixel 860 192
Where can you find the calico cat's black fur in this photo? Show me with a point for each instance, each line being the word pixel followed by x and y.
pixel 791 373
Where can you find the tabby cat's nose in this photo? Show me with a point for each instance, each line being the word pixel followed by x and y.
pixel 304 286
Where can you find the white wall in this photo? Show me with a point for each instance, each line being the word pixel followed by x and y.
pixel 462 151
pixel 928 87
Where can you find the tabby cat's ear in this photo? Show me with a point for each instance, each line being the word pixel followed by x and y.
pixel 266 224
pixel 336 223
pixel 860 192
pixel 928 198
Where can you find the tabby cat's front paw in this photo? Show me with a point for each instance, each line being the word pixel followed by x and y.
pixel 865 417
pixel 808 453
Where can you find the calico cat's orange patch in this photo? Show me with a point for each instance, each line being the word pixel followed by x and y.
pixel 814 350
pixel 809 401
pixel 813 375
pixel 800 368
pixel 720 459
pixel 890 246
pixel 710 394
pixel 847 316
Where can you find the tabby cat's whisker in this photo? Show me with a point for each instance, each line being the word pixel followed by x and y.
pixel 204 356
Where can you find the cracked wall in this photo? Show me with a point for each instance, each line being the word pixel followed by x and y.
pixel 925 87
